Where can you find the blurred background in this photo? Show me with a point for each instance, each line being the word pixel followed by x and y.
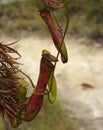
pixel 79 103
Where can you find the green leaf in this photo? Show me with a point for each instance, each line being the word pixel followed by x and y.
pixel 63 51
pixel 64 57
pixel 52 87
pixel 22 91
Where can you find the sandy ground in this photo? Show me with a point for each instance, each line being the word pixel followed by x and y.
pixel 84 66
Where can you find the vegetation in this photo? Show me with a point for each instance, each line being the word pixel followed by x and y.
pixel 85 17
pixel 21 108
pixel 19 16
pixel 51 117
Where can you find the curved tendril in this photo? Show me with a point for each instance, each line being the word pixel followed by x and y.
pixel 65 31
pixel 27 77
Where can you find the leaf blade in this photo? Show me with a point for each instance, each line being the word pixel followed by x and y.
pixel 52 86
